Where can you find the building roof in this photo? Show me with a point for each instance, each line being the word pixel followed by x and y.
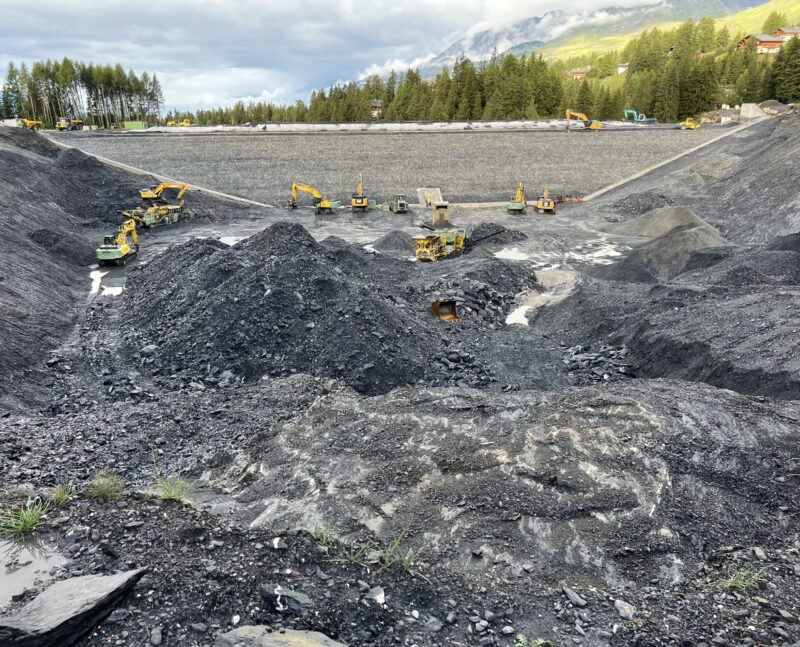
pixel 789 30
pixel 766 37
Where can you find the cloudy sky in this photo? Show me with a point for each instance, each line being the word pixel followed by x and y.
pixel 211 52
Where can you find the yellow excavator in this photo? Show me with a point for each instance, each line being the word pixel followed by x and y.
pixel 155 194
pixel 517 204
pixel 360 202
pixel 544 203
pixel 116 250
pixel 321 205
pixel 588 124
pixel 30 124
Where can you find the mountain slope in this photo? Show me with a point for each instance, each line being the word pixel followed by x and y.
pixel 596 40
pixel 537 32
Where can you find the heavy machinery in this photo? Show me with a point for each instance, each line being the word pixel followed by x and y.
pixel 359 201
pixel 321 205
pixel 69 124
pixel 445 309
pixel 440 243
pixel 588 124
pixel 545 204
pixel 638 118
pixel 155 194
pixel 398 204
pixel 165 214
pixel 30 124
pixel 116 250
pixel 517 204
pixel 185 122
pixel 688 124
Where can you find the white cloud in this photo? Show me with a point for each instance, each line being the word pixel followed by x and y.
pixel 396 64
pixel 215 51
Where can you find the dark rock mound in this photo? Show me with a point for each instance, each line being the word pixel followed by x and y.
pixel 395 242
pixel 637 204
pixel 72 247
pixel 491 233
pixel 28 140
pixel 789 243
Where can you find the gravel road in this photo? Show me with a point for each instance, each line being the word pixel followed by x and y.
pixel 467 166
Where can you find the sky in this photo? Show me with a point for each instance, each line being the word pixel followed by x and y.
pixel 212 52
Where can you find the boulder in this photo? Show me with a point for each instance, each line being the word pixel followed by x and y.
pixel 66 610
pixel 261 636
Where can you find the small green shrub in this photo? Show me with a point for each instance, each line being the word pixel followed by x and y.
pixel 22 520
pixel 744 579
pixel 521 640
pixel 173 488
pixel 106 487
pixel 60 494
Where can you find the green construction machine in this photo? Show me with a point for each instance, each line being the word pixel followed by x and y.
pixel 116 250
pixel 517 204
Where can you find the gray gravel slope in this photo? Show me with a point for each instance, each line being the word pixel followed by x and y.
pixel 467 166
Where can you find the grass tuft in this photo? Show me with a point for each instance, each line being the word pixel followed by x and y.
pixel 60 494
pixel 322 536
pixel 744 579
pixel 105 487
pixel 521 640
pixel 20 521
pixel 173 488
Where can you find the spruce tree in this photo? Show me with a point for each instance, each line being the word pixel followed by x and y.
pixel 774 21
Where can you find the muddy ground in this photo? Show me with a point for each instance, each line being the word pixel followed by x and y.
pixel 600 451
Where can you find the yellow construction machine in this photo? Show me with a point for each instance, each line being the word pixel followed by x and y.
pixel 69 124
pixel 517 204
pixel 30 124
pixel 544 203
pixel 155 194
pixel 439 244
pixel 185 122
pixel 588 124
pixel 116 250
pixel 688 124
pixel 360 202
pixel 321 205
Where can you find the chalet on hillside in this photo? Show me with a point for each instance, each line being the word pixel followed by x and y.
pixel 765 44
pixel 579 73
pixel 787 33
pixel 622 68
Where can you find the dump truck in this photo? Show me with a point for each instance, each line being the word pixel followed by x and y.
pixel 116 249
pixel 517 204
pixel 69 124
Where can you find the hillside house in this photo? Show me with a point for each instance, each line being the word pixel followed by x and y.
pixel 765 43
pixel 622 68
pixel 787 33
pixel 579 73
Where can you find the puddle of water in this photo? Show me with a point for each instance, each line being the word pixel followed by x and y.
pixel 604 253
pixel 107 283
pixel 512 254
pixel 23 564
pixel 559 284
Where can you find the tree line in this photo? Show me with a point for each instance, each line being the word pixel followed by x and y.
pixel 98 94
pixel 671 74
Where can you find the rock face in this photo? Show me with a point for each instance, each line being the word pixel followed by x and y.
pixel 66 610
pixel 260 636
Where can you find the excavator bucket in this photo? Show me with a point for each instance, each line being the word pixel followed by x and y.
pixel 445 309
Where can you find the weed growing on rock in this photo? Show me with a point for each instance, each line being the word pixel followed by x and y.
pixel 22 520
pixel 105 487
pixel 521 640
pixel 173 488
pixel 322 536
pixel 744 579
pixel 60 494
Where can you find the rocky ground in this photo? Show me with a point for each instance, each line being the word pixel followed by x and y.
pixel 469 167
pixel 620 470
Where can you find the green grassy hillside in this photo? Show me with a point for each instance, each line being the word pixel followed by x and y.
pixel 598 40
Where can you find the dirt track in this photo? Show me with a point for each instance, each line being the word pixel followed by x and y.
pixel 469 167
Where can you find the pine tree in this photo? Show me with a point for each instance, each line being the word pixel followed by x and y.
pixel 706 38
pixel 584 101
pixel 774 21
pixel 667 102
